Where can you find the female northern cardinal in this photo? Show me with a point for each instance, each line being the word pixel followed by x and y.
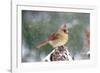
pixel 57 39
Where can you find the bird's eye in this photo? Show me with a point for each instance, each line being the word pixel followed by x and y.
pixel 65 30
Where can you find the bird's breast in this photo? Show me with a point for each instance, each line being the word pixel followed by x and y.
pixel 62 39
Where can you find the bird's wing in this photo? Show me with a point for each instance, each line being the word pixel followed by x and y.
pixel 53 36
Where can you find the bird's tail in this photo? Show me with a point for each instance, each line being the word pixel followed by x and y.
pixel 43 43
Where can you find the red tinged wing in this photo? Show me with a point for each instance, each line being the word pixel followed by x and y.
pixel 53 37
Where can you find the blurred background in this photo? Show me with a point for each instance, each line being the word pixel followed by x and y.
pixel 38 25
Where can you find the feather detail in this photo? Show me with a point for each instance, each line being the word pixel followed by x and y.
pixel 42 44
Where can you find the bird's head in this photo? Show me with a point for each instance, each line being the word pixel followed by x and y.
pixel 64 28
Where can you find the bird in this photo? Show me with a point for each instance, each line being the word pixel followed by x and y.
pixel 56 39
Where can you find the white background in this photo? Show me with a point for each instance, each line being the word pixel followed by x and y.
pixel 5 34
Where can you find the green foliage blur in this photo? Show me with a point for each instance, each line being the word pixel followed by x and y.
pixel 38 25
